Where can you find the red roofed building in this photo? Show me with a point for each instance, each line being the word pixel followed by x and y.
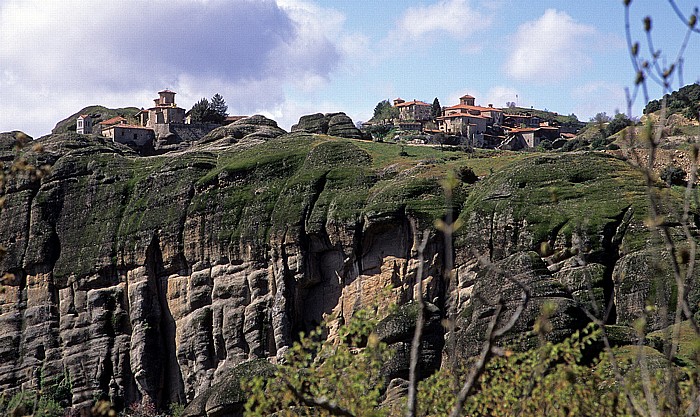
pixel 494 115
pixel 135 136
pixel 467 100
pixel 113 121
pixel 413 110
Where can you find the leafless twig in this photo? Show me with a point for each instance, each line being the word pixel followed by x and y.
pixel 412 400
pixel 488 349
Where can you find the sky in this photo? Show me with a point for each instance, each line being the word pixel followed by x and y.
pixel 288 58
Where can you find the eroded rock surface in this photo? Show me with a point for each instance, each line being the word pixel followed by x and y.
pixel 334 124
pixel 154 277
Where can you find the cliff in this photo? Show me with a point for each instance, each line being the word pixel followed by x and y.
pixel 155 276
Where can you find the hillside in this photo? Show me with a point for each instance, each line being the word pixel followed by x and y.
pixel 546 115
pixel 68 124
pixel 155 276
pixel 685 101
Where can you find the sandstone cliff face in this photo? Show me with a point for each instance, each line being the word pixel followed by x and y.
pixel 155 276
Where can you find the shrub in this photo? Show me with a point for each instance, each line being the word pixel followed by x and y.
pixel 466 174
pixel 345 373
pixel 673 175
pixel 574 144
pixel 600 142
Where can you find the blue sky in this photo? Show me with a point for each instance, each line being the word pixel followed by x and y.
pixel 287 58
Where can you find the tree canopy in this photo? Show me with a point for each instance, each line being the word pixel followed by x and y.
pixel 205 111
pixel 685 101
pixel 384 110
pixel 436 109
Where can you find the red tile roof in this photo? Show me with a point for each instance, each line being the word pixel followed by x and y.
pixel 467 96
pixel 166 91
pixel 455 115
pixel 113 121
pixel 125 126
pixel 522 129
pixel 84 116
pixel 479 108
pixel 414 102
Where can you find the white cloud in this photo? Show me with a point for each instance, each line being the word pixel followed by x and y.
pixel 58 57
pixel 550 48
pixel 456 18
pixel 500 95
pixel 598 96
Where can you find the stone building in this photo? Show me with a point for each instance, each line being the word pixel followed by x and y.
pixel 413 110
pixel 135 136
pixel 165 111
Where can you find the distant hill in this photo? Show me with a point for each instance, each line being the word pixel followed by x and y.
pixel 68 124
pixel 685 101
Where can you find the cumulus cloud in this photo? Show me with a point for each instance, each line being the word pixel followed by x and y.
pixel 604 92
pixel 550 48
pixel 58 57
pixel 456 18
pixel 500 95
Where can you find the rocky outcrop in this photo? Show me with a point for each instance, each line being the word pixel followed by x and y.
pixel 226 397
pixel 397 331
pixel 334 124
pixel 254 127
pixel 155 277
pixel 506 283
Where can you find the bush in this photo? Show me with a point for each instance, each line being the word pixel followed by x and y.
pixel 673 175
pixel 466 174
pixel 346 373
pixel 600 142
pixel 574 144
pixel 546 145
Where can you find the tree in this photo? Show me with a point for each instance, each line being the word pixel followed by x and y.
pixel 601 118
pixel 199 113
pixel 205 111
pixel 219 107
pixel 619 122
pixel 381 108
pixel 436 109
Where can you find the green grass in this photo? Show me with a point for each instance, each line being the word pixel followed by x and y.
pixel 579 192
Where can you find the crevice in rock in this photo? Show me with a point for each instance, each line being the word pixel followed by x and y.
pixel 317 188
pixel 555 233
pixel 613 233
pixel 172 388
pixel 28 222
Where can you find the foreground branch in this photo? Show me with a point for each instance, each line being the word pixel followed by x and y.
pixel 489 349
pixel 411 402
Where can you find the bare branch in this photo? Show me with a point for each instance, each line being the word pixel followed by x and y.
pixel 685 20
pixel 411 402
pixel 488 349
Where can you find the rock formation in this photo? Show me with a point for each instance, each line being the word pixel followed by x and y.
pixel 156 277
pixel 334 124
